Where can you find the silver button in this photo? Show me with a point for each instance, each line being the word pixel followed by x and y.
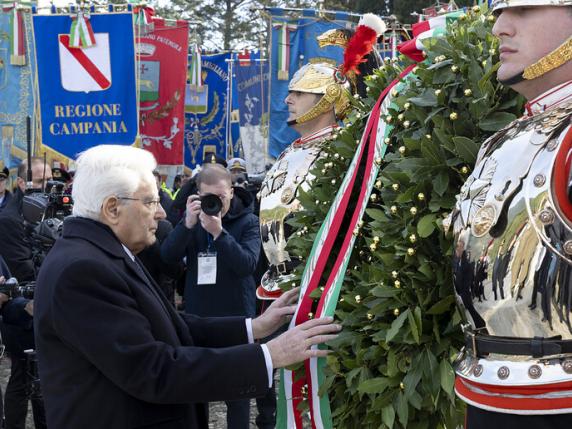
pixel 567 366
pixel 539 180
pixel 534 372
pixel 503 372
pixel 546 216
pixel 552 144
pixel 568 247
pixel 478 371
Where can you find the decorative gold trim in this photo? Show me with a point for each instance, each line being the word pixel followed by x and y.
pixel 334 37
pixel 554 59
pixel 332 99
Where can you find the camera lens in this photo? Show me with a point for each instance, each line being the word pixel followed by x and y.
pixel 211 204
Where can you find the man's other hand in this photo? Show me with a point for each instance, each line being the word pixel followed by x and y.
pixel 295 345
pixel 193 209
pixel 3 297
pixel 276 315
pixel 211 224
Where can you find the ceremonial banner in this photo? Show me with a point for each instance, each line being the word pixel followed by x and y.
pixel 16 86
pixel 252 89
pixel 293 45
pixel 87 96
pixel 206 112
pixel 162 55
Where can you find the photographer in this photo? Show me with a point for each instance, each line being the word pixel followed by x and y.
pixel 16 327
pixel 222 251
pixel 15 248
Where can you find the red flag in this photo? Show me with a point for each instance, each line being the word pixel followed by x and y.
pixel 162 55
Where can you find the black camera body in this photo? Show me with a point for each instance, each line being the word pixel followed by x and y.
pixel 44 213
pixel 211 204
pixel 13 289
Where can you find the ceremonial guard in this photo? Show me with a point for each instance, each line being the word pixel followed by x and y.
pixel 318 98
pixel 514 216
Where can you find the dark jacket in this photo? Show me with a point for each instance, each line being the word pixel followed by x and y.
pixel 113 353
pixel 14 246
pixel 6 200
pixel 237 249
pixel 165 275
pixel 15 324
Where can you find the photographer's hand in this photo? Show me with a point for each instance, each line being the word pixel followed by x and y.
pixel 3 297
pixel 193 210
pixel 211 224
pixel 29 308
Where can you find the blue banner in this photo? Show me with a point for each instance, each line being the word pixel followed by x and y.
pixel 206 113
pixel 301 48
pixel 252 87
pixel 16 94
pixel 87 96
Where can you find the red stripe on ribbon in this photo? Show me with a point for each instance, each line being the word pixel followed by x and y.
pixel 86 63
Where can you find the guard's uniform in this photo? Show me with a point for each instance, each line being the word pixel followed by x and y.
pixel 279 199
pixel 513 227
pixel 512 213
pixel 290 174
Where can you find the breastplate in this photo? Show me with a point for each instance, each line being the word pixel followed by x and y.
pixel 511 267
pixel 278 197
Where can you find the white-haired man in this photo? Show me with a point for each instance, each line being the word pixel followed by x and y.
pixel 515 210
pixel 112 351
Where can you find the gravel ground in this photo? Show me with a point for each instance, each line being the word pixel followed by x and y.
pixel 217 410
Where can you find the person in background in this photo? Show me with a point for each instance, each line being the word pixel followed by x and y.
pixel 5 194
pixel 238 173
pixel 228 239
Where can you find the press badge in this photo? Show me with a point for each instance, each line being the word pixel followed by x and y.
pixel 206 268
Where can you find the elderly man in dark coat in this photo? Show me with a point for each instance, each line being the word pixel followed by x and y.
pixel 112 352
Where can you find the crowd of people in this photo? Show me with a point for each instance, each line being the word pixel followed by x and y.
pixel 115 345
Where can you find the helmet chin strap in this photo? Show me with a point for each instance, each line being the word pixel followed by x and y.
pixel 517 78
pixel 558 57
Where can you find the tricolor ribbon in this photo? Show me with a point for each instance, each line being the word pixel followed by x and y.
pixel 144 19
pixel 370 152
pixel 17 35
pixel 81 33
pixel 422 30
pixel 284 30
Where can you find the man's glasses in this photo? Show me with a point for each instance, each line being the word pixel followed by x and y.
pixel 152 204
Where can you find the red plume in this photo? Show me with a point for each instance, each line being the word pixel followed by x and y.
pixel 361 44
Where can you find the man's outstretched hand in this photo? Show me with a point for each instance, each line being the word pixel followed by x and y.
pixel 294 345
pixel 279 313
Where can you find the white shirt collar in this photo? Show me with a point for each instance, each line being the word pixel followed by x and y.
pixel 549 99
pixel 131 255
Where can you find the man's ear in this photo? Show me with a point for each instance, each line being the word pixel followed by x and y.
pixel 110 210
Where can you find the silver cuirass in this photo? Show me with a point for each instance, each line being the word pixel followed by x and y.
pixel 278 200
pixel 513 245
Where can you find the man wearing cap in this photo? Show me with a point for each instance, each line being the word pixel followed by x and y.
pixel 516 368
pixel 238 173
pixel 5 194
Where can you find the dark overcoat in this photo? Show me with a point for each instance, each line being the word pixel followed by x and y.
pixel 112 351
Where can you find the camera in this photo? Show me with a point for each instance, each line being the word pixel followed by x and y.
pixel 211 204
pixel 44 213
pixel 13 289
